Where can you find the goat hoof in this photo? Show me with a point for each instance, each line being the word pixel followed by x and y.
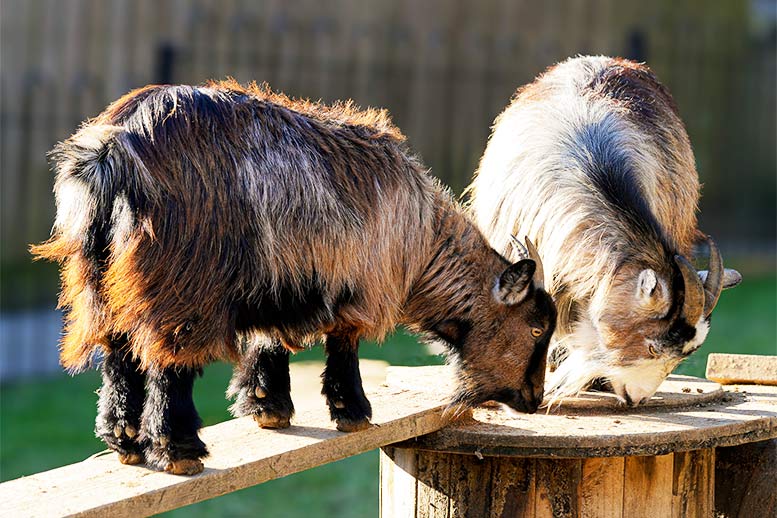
pixel 131 458
pixel 185 467
pixel 260 392
pixel 131 431
pixel 347 425
pixel 273 421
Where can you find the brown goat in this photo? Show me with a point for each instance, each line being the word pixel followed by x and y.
pixel 201 223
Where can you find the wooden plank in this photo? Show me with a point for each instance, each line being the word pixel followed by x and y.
pixel 242 455
pixel 728 369
pixel 557 486
pixel 693 484
pixel 647 487
pixel 601 488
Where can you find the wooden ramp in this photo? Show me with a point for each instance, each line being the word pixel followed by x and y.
pixel 241 455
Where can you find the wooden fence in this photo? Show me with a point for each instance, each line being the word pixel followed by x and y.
pixel 443 68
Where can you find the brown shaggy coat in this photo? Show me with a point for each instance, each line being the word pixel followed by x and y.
pixel 191 216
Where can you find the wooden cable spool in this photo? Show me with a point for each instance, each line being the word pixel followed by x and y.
pixel 589 456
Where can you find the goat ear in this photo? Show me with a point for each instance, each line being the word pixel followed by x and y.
pixel 731 278
pixel 515 283
pixel 646 284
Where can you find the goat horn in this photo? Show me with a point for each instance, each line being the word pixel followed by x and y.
pixel 539 272
pixel 713 284
pixel 693 306
pixel 522 252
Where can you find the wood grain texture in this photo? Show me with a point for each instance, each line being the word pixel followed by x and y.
pixel 746 480
pixel 676 391
pixel 513 487
pixel 433 472
pixel 470 485
pixel 242 455
pixel 557 485
pixel 743 414
pixel 601 487
pixel 693 484
pixel 742 368
pixel 484 481
pixel 648 486
pixel 398 482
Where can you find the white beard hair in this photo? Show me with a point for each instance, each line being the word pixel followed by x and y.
pixel 585 361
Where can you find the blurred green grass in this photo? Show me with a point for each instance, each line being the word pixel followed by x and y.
pixel 48 423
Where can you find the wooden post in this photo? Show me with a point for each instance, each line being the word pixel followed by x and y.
pixel 588 460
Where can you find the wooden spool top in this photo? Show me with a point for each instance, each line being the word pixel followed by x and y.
pixel 685 414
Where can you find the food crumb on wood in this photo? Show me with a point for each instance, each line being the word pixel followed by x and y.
pixel 478 455
pixel 617 421
pixel 686 389
pixel 700 391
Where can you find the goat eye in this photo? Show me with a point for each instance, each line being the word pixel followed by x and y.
pixel 536 332
pixel 652 351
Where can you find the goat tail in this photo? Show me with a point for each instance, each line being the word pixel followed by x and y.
pixel 87 180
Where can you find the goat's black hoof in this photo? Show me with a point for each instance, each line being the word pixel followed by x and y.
pixel 177 456
pixel 185 467
pixel 351 413
pixel 122 438
pixel 269 409
pixel 348 425
pixel 272 420
pixel 131 458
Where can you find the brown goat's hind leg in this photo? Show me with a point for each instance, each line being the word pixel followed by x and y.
pixel 170 422
pixel 348 406
pixel 120 402
pixel 261 385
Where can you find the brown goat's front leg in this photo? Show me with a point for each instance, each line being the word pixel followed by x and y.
pixel 120 404
pixel 261 385
pixel 170 422
pixel 343 389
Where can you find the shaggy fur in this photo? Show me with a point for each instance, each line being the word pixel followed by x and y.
pixel 193 219
pixel 593 163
